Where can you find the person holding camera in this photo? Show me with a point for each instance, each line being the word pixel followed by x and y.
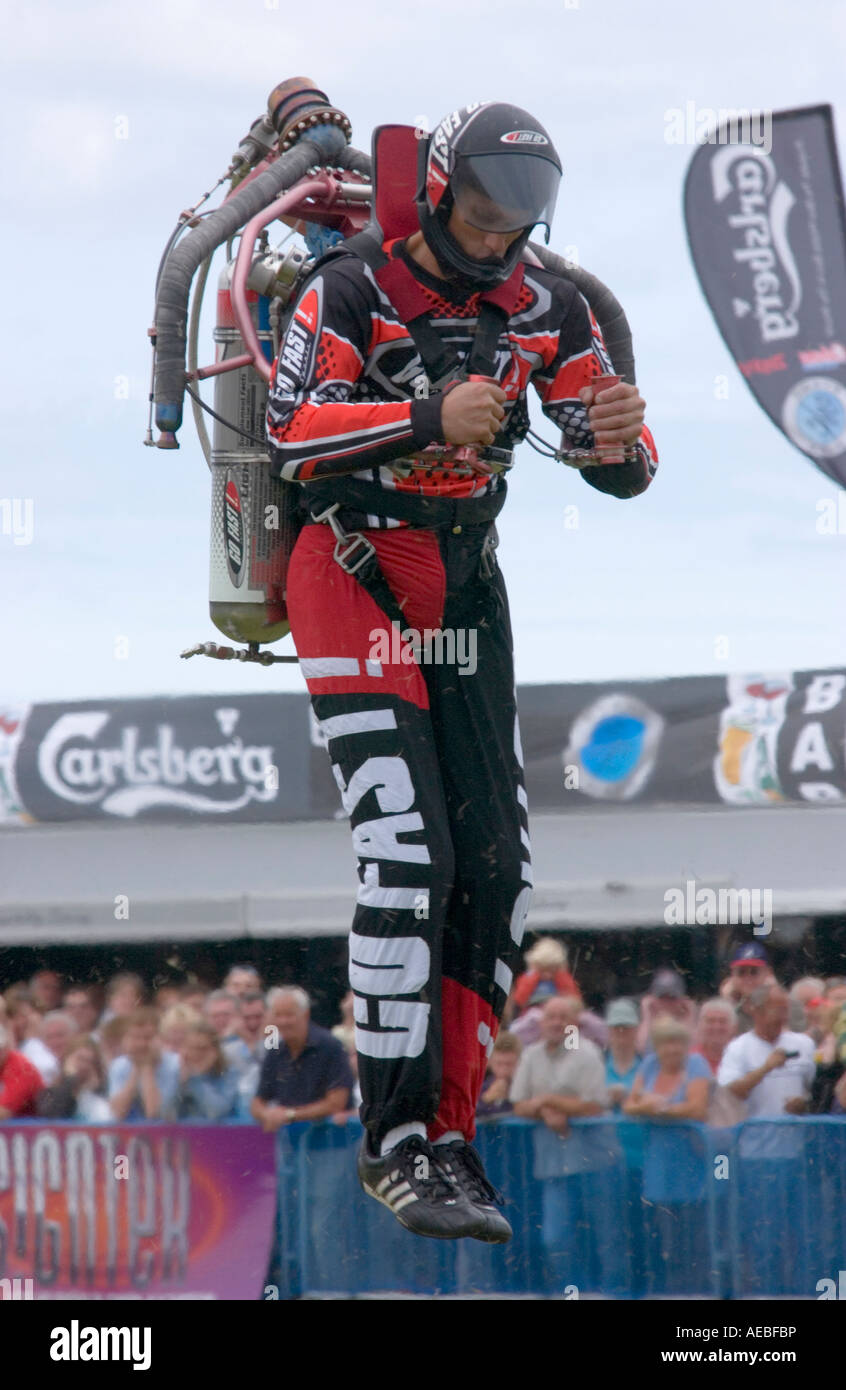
pixel 770 1068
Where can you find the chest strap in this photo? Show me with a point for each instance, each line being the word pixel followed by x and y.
pixel 412 306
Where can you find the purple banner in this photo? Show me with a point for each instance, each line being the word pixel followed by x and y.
pixel 136 1211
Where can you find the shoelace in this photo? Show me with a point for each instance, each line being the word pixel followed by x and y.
pixel 467 1161
pixel 436 1186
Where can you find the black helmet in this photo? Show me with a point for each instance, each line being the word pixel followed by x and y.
pixel 496 164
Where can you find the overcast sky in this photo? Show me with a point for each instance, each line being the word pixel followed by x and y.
pixel 718 567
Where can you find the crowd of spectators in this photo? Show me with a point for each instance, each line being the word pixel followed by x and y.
pixel 244 1052
pixel 667 1064
pixel 116 1054
pixel 755 1051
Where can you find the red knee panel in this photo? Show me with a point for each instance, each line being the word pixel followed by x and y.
pixel 469 1026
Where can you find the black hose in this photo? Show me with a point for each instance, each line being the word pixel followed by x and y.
pixel 358 162
pixel 608 310
pixel 330 148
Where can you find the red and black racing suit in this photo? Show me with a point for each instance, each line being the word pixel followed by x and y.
pixel 427 756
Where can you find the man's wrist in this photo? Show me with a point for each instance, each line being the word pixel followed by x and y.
pixel 426 420
pixel 291 1114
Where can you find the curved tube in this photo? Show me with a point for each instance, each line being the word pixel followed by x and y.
pixel 307 188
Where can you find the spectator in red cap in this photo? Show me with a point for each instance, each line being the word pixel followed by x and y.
pixel 750 969
pixel 20 1081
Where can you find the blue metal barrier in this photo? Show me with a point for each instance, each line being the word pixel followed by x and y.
pixel 620 1209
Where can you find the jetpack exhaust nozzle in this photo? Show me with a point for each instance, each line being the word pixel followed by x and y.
pixel 296 107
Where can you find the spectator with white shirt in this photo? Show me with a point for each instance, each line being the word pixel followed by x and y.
pixel 47 1050
pixel 771 1070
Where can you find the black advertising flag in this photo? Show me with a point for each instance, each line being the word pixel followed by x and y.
pixel 767 232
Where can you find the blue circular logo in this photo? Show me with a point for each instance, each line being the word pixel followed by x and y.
pixel 814 416
pixel 821 416
pixel 614 748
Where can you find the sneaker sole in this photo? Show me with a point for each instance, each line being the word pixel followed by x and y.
pixel 491 1235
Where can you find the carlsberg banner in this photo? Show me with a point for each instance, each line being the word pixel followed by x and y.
pixel 767 233
pixel 751 739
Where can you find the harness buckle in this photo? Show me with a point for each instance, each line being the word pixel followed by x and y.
pixel 346 542
pixel 343 553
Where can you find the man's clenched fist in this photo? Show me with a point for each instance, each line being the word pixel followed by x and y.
pixel 615 414
pixel 472 413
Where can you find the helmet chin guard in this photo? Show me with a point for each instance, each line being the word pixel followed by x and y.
pixel 464 272
pixel 495 164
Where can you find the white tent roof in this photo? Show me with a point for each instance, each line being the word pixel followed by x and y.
pixel 608 867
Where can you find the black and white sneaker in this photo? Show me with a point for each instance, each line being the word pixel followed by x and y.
pixel 465 1168
pixel 411 1183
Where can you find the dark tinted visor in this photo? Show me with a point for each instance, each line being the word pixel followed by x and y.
pixel 505 192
